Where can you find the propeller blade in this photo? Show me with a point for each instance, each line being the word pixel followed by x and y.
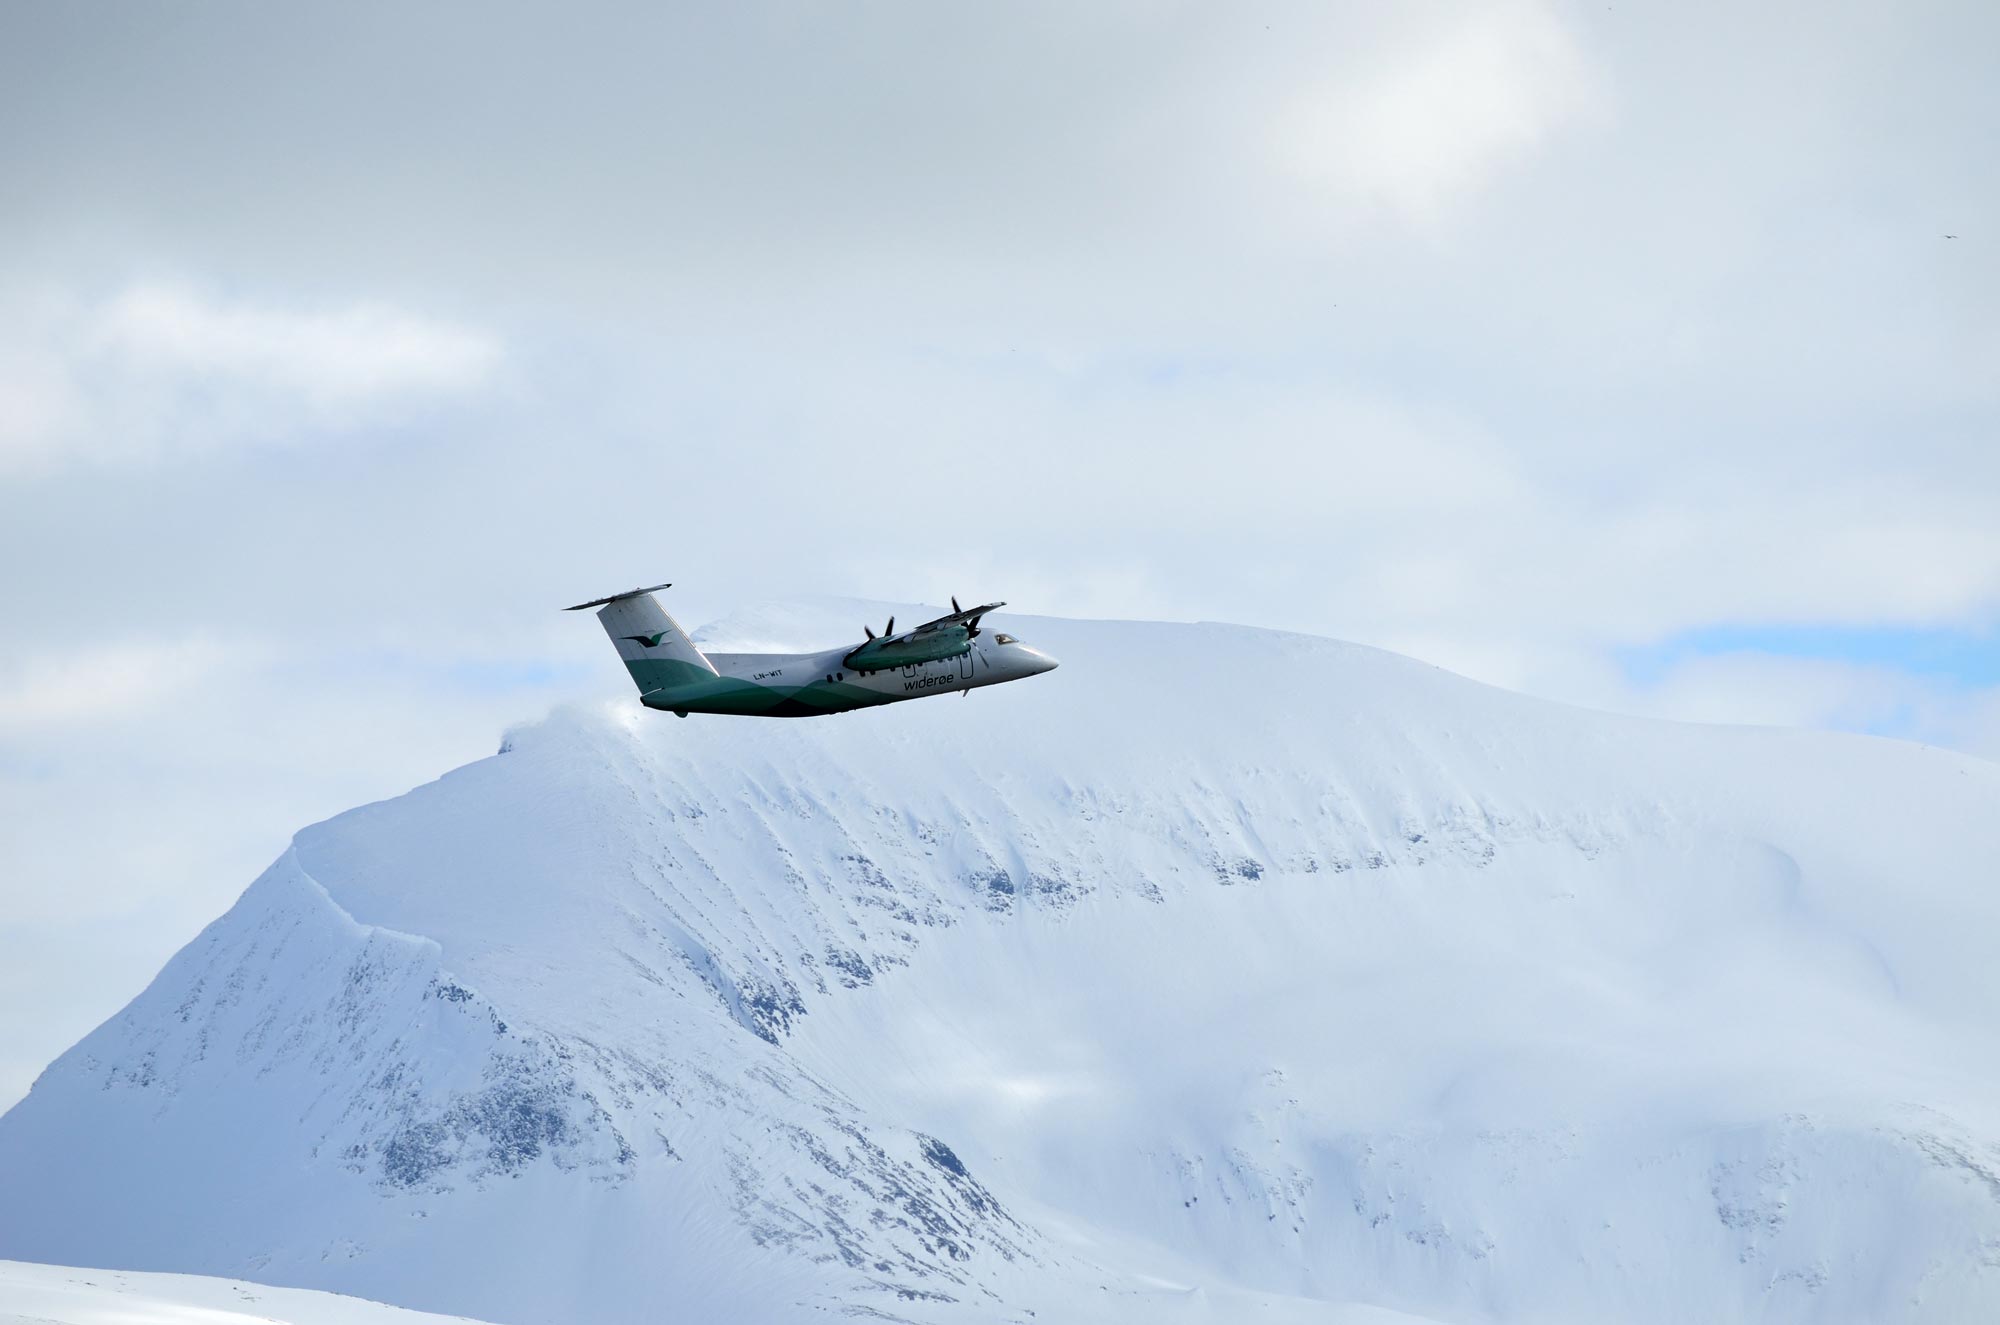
pixel 869 631
pixel 890 629
pixel 955 609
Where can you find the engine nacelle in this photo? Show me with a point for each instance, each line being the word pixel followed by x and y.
pixel 879 655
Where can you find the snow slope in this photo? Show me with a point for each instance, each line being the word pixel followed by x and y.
pixel 62 1295
pixel 1220 973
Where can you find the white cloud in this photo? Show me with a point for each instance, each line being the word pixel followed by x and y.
pixel 1778 691
pixel 161 371
pixel 98 682
pixel 37 400
pixel 329 359
pixel 1435 115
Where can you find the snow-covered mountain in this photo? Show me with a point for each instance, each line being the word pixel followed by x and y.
pixel 1220 973
pixel 64 1295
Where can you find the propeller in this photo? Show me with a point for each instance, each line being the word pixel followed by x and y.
pixel 890 629
pixel 868 630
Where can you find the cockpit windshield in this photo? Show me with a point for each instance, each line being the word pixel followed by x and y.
pixel 1004 639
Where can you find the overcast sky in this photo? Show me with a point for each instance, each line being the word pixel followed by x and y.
pixel 1640 356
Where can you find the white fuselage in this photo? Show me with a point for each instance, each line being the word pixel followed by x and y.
pixel 987 662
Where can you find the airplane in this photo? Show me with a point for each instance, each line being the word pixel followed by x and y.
pixel 950 655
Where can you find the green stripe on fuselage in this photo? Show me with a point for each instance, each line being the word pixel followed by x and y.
pixel 682 687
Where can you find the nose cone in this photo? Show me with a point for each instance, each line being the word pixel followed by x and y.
pixel 1039 662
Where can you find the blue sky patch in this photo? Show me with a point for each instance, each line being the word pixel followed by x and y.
pixel 1964 657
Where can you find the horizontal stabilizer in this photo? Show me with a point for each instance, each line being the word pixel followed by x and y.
pixel 629 593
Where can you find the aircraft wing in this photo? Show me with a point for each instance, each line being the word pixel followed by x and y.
pixel 967 617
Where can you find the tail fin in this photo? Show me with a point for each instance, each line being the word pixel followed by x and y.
pixel 657 652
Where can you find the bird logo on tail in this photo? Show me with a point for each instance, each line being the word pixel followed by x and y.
pixel 650 641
